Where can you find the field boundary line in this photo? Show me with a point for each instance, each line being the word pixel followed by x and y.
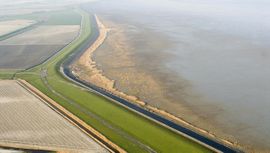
pixel 22 146
pixel 34 146
pixel 87 129
pixel 20 31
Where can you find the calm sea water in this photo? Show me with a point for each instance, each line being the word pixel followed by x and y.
pixel 222 48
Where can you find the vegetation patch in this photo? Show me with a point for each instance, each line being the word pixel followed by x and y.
pixel 125 128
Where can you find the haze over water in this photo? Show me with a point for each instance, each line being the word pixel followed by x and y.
pixel 220 48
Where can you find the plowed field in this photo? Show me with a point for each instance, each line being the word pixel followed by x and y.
pixel 26 121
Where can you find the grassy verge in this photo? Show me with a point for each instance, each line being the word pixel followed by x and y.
pixel 127 129
pixel 7 74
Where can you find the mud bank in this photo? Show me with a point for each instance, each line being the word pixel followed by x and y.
pixel 87 69
pixel 205 66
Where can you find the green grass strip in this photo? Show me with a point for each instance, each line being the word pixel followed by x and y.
pixel 125 128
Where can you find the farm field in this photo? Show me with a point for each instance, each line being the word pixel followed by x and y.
pixel 60 17
pixel 13 150
pixel 13 25
pixel 8 7
pixel 40 42
pixel 45 35
pixel 27 121
pixel 10 151
pixel 21 56
pixel 130 131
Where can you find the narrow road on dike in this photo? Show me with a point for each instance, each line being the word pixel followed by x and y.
pixel 64 69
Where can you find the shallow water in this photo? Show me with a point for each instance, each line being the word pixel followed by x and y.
pixel 210 56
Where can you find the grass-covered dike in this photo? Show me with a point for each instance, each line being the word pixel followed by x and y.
pixel 125 128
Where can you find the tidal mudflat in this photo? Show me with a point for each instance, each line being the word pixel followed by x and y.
pixel 206 62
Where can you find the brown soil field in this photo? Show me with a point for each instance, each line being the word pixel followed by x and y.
pixel 27 122
pixel 45 35
pixel 35 46
pixel 13 25
pixel 24 56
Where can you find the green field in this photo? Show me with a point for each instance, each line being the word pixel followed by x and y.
pixel 125 128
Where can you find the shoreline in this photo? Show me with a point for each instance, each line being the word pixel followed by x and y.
pixel 88 130
pixel 85 68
